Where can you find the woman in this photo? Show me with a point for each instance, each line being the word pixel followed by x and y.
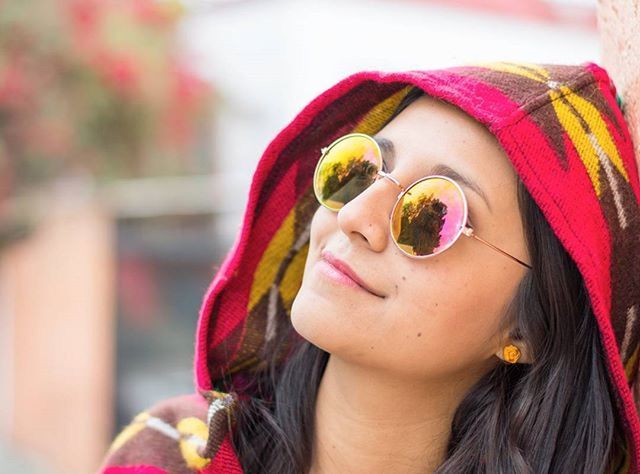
pixel 437 272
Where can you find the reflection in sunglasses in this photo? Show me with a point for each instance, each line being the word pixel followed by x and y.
pixel 340 182
pixel 442 219
pixel 422 219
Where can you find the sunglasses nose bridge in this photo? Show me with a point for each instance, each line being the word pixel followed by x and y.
pixel 382 174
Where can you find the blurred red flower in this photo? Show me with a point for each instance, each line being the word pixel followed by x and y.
pixel 95 84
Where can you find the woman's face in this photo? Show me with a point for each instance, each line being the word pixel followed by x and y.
pixel 436 317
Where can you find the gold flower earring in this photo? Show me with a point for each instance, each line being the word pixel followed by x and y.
pixel 511 353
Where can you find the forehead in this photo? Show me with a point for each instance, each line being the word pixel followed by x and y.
pixel 436 118
pixel 430 131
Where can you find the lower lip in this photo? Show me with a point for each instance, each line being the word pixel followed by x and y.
pixel 336 275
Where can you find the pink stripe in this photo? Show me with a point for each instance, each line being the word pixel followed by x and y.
pixel 137 469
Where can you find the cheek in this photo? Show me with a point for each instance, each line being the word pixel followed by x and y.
pixel 445 322
pixel 440 321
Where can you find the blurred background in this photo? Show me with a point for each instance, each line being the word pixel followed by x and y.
pixel 129 132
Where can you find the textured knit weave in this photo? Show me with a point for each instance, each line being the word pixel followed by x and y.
pixel 562 129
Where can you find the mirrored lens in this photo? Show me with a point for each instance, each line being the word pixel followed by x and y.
pixel 347 168
pixel 429 217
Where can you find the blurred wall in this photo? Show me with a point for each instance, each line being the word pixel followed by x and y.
pixel 56 292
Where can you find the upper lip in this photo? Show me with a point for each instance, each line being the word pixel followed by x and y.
pixel 347 270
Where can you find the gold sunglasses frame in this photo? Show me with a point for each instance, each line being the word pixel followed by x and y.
pixel 465 230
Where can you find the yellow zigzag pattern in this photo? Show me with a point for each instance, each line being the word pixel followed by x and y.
pixel 588 152
pixel 595 146
pixel 519 69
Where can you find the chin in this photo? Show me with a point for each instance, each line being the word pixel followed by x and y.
pixel 313 320
pixel 305 318
pixel 317 320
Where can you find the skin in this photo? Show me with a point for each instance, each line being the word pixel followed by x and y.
pixel 400 364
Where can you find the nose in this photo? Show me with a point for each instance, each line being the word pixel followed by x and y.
pixel 365 219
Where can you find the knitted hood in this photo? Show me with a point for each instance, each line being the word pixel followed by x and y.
pixel 567 139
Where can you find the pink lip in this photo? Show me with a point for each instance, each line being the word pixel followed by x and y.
pixel 339 270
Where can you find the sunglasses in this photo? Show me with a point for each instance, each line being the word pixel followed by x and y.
pixel 427 217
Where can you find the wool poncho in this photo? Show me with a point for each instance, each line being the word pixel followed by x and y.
pixel 565 134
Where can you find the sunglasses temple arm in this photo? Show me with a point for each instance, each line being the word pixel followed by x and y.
pixel 472 234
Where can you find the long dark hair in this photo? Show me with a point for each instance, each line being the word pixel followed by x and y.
pixel 556 415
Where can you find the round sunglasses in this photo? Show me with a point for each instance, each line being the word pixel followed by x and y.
pixel 427 217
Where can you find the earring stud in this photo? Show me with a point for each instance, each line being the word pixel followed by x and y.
pixel 511 353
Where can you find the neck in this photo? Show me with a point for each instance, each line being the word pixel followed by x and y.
pixel 367 421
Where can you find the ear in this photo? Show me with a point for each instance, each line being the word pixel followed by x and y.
pixel 523 348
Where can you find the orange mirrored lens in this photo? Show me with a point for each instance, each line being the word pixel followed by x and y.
pixel 428 217
pixel 347 168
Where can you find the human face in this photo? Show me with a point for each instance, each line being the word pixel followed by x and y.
pixel 429 318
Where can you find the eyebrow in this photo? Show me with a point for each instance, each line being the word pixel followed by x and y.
pixel 389 151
